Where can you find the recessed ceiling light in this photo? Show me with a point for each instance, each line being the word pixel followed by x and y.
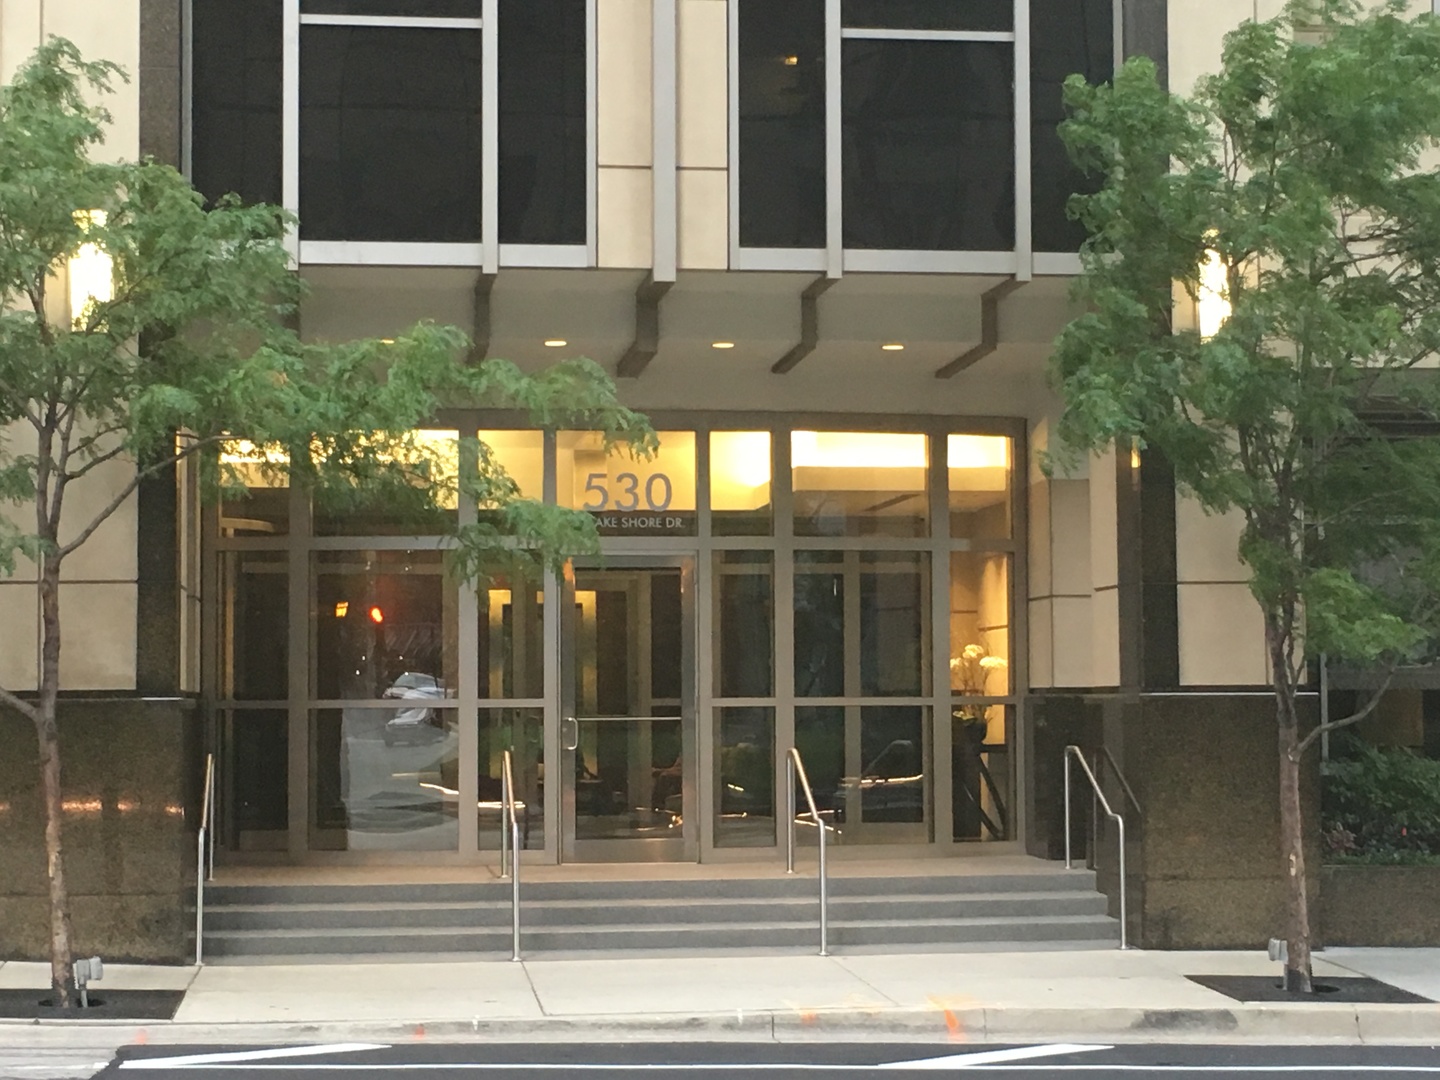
pixel 893 346
pixel 791 61
pixel 722 345
pixel 556 343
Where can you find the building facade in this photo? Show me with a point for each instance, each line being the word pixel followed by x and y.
pixel 823 245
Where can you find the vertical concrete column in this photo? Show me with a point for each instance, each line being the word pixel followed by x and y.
pixel 1060 597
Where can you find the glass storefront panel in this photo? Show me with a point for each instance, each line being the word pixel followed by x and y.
pixel 384 625
pixel 512 638
pixel 745 777
pixel 877 647
pixel 895 774
pixel 744 624
pixel 385 779
pixel 255 801
pixel 859 483
pixel 820 738
pixel 980 624
pixel 982 771
pixel 254 619
pixel 740 483
pixel 522 732
pixel 980 478
pixel 629 496
pixel 426 506
pixel 520 455
pixel 263 507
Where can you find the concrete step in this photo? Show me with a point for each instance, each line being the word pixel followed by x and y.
pixel 661 936
pixel 560 913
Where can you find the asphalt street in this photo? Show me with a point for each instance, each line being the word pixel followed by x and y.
pixel 730 1061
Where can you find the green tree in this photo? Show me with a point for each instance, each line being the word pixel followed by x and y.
pixel 185 349
pixel 1297 173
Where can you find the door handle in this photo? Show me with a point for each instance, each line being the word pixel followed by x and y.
pixel 574 742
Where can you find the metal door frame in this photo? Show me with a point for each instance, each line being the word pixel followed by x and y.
pixel 687 849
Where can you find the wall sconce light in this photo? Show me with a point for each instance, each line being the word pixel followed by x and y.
pixel 91 270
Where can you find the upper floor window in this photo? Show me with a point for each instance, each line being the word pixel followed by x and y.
pixel 390 109
pixel 900 123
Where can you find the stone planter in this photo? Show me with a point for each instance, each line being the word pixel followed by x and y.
pixel 1380 905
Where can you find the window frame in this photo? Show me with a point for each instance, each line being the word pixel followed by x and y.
pixel 489 255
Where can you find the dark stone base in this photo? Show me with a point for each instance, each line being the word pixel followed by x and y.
pixel 131 791
pixel 104 1005
pixel 1344 990
pixel 1382 906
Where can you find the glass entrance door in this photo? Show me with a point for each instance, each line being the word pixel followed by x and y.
pixel 628 709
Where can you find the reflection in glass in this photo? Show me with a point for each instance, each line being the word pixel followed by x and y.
pixel 981 772
pixel 859 483
pixel 262 508
pixel 979 624
pixel 740 483
pixel 929 145
pixel 745 780
pixel 542 122
pixel 894 777
pixel 512 639
pixel 385 779
pixel 384 626
pixel 744 623
pixel 629 496
pixel 254 618
pixel 930 14
pixel 885 637
pixel 820 738
pixel 439 9
pixel 424 504
pixel 235 101
pixel 390 134
pixel 1066 36
pixel 255 794
pixel 522 732
pixel 979 468
pixel 781 74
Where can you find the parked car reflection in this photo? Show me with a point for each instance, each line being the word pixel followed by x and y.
pixel 418 722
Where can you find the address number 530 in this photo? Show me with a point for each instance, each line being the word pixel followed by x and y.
pixel 657 492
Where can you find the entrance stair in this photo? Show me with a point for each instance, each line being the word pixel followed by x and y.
pixel 1035 905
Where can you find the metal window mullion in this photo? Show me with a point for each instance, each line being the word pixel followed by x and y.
pixel 187 89
pixel 733 98
pixel 592 133
pixel 1024 228
pixel 664 154
pixel 942 782
pixel 467 614
pixel 490 138
pixel 834 144
pixel 299 751
pixel 400 22
pixel 784 599
pixel 552 627
pixel 882 34
pixel 290 122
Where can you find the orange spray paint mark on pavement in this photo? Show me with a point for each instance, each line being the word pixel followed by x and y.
pixel 419 1031
pixel 141 1037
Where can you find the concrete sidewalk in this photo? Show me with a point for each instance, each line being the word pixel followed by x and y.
pixel 956 996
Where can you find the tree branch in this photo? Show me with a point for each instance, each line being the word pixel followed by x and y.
pixel 1353 718
pixel 19 705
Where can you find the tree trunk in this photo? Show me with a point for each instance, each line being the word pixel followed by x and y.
pixel 1292 833
pixel 61 966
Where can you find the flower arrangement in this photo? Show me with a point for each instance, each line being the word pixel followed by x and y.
pixel 969 673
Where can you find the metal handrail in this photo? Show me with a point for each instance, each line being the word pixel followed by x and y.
pixel 1073 752
pixel 794 767
pixel 1115 768
pixel 204 855
pixel 510 849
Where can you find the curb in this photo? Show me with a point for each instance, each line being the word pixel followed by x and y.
pixel 1274 1024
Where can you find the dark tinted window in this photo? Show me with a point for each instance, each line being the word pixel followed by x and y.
pixel 236 118
pixel 929 14
pixel 929 145
pixel 1067 36
pixel 389 134
pixel 782 123
pixel 445 9
pixel 542 122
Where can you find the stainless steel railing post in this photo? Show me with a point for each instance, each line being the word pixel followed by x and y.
pixel 1073 752
pixel 510 826
pixel 796 768
pixel 789 815
pixel 204 856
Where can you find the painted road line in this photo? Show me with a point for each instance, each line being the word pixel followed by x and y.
pixel 237 1057
pixel 990 1057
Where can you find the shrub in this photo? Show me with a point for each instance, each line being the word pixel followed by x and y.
pixel 1381 805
